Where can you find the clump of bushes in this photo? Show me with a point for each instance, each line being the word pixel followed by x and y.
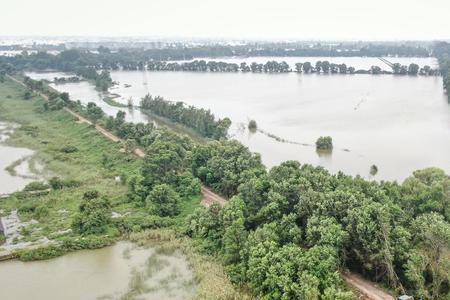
pixel 373 170
pixel 41 253
pixel 36 186
pixel 324 143
pixel 67 244
pixel 57 183
pixel 69 149
pixel 163 200
pixel 94 214
pixel 252 126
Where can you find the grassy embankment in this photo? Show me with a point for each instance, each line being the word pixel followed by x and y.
pixel 47 133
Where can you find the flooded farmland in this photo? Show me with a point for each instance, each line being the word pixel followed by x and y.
pixel 398 123
pixel 122 271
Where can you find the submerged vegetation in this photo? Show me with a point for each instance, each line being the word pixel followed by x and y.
pixel 324 143
pixel 252 126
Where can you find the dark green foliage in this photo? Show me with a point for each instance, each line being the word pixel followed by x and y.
pixel 27 95
pixel 187 185
pixel 57 183
pixel 36 186
pixel 94 112
pixel 40 253
pixel 324 143
pixel 302 224
pixel 442 52
pixel 252 126
pixel 373 170
pixel 163 200
pixel 224 165
pixel 200 120
pixel 69 149
pixel 94 214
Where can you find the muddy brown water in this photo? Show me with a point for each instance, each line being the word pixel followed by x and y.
pixel 115 272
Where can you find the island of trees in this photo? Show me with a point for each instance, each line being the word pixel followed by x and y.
pixel 324 143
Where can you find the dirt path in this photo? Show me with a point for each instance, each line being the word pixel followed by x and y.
pixel 209 196
pixel 369 289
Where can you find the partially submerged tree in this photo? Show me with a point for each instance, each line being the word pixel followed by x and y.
pixel 324 143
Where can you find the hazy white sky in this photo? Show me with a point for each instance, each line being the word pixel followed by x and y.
pixel 301 19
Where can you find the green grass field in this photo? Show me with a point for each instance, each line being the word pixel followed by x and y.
pixel 95 164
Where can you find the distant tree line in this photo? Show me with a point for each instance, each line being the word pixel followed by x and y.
pixel 324 67
pixel 199 119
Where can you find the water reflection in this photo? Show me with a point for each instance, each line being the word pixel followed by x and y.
pixel 107 273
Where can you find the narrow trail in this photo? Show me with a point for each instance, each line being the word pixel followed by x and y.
pixel 208 196
pixel 367 288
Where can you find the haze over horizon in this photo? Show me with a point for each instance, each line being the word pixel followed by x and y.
pixel 252 19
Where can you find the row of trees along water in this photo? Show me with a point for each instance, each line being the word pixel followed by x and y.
pixel 286 232
pixel 199 119
pixel 442 51
pixel 280 67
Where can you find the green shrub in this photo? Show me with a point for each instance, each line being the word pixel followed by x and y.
pixel 188 185
pixel 252 126
pixel 27 207
pixel 94 214
pixel 324 143
pixel 41 253
pixel 69 149
pixel 163 201
pixel 36 186
pixel 57 183
pixel 86 242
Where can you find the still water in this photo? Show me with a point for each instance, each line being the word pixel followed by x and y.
pixel 16 159
pixel 399 123
pixel 115 272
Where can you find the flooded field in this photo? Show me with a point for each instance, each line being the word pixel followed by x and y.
pixel 399 123
pixel 122 271
pixel 15 163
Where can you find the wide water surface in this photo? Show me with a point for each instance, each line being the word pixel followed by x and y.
pixel 115 272
pixel 399 123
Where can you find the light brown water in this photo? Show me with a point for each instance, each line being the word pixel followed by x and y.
pixel 108 273
pixel 8 156
pixel 399 123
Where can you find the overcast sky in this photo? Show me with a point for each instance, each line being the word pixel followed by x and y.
pixel 300 19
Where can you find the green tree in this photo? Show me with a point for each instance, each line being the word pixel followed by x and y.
pixel 163 201
pixel 432 234
pixel 94 214
pixel 413 69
